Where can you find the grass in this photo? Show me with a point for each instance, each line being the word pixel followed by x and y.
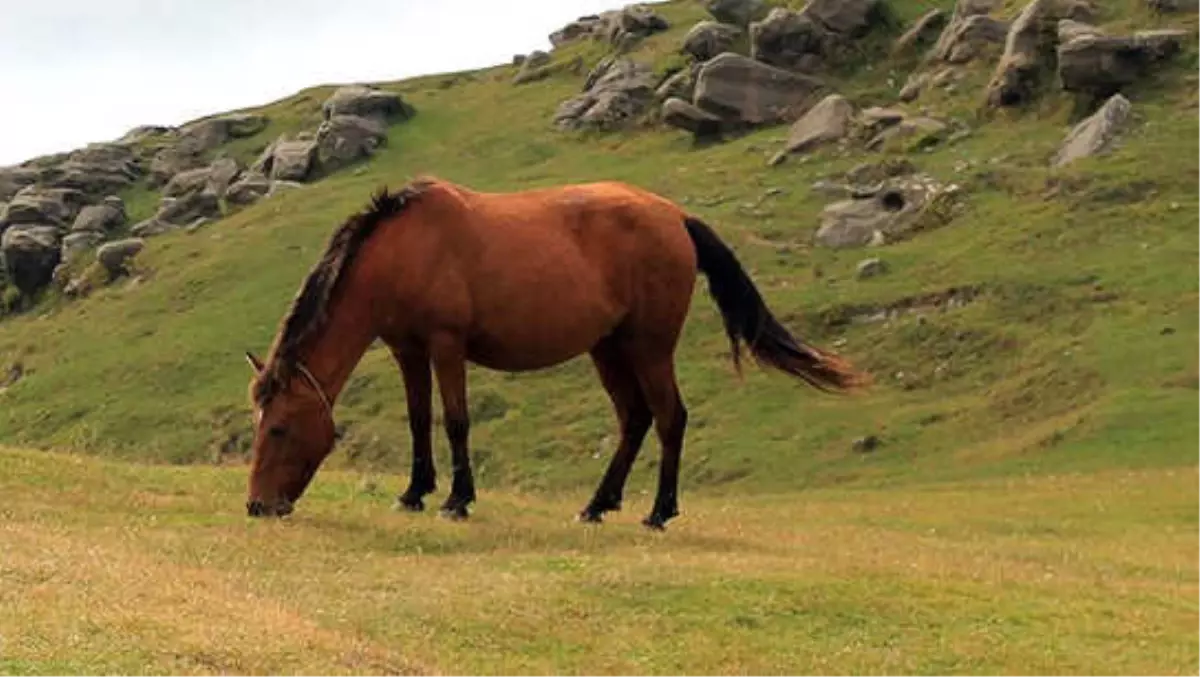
pixel 150 569
pixel 1031 507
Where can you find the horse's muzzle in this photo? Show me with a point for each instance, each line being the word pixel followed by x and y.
pixel 257 508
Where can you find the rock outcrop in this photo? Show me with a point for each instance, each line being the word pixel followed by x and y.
pixel 744 91
pixel 1099 65
pixel 618 27
pixel 38 204
pixel 891 210
pixel 101 218
pixel 368 102
pixel 115 256
pixel 617 92
pixel 1096 133
pixel 969 33
pixel 30 253
pixel 343 140
pixel 1031 37
pixel 737 12
pixel 707 39
pixel 195 141
pixel 923 33
pixel 823 32
pixel 826 122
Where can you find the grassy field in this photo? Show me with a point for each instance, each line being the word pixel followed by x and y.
pixel 118 568
pixel 1031 508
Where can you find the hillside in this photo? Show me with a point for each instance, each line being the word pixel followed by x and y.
pixel 1072 347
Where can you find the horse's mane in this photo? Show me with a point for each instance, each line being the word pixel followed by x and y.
pixel 308 312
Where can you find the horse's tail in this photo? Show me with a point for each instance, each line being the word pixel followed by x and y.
pixel 747 319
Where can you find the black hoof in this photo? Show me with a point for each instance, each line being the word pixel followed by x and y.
pixel 409 504
pixel 589 516
pixel 655 523
pixel 456 513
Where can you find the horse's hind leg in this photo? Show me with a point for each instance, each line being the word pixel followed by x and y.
pixel 633 414
pixel 449 363
pixel 656 374
pixel 418 387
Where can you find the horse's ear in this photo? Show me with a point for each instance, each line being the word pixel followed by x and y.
pixel 255 363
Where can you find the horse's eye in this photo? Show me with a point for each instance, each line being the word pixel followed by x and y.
pixel 276 431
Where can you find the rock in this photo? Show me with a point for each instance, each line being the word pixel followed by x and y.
pixel 911 134
pixel 115 256
pixel 683 115
pixel 221 173
pixel 151 227
pixel 143 133
pixel 582 27
pixel 821 32
pixel 680 85
pixel 924 32
pixel 292 160
pixel 248 189
pixel 709 38
pixel 969 32
pixel 886 212
pixel 534 67
pixel 345 139
pixel 866 444
pixel 196 140
pixel 184 210
pixel 617 27
pixel 1101 66
pixel 914 85
pixel 367 102
pixel 13 179
pixel 1096 133
pixel 868 268
pixel 736 12
pixel 97 169
pixel 744 91
pixel 30 253
pixel 79 242
pixel 827 121
pixel 616 93
pixel 37 204
pixel 101 218
pixel 187 181
pixel 1069 30
pixel 1019 73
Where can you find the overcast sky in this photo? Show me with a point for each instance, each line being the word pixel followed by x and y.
pixel 77 71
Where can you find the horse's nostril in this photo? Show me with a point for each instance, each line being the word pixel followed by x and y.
pixel 255 508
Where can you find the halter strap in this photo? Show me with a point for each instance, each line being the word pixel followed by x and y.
pixel 316 385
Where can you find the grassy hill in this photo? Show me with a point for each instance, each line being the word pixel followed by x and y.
pixel 1082 332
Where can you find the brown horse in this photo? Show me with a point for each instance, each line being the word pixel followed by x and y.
pixel 444 275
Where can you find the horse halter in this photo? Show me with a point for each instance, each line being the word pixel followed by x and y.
pixel 316 385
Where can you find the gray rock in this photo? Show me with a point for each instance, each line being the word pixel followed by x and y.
pixel 827 121
pixel 885 213
pixel 221 173
pixel 144 133
pixel 707 39
pixel 745 91
pixel 1018 76
pixel 535 67
pixel 368 102
pixel 583 27
pixel 736 12
pixel 115 256
pixel 1101 66
pixel 868 268
pixel 1069 30
pixel 38 204
pixel 617 92
pixel 680 85
pixel 187 181
pixel 250 188
pixel 683 115
pixel 913 87
pixel 292 160
pixel 1095 134
pixel 969 33
pixel 345 139
pixel 151 227
pixel 101 218
pixel 187 208
pixel 195 141
pixel 924 32
pixel 97 169
pixel 913 133
pixel 77 243
pixel 30 253
pixel 13 179
pixel 821 32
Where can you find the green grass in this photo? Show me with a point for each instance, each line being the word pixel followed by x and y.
pixel 149 569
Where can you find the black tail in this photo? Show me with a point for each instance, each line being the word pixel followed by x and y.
pixel 747 319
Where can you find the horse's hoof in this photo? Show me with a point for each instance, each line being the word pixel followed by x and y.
pixel 409 504
pixel 589 517
pixel 456 513
pixel 655 523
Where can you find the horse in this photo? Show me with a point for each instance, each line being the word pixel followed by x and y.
pixel 444 275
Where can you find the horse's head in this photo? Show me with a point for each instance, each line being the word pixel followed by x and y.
pixel 293 434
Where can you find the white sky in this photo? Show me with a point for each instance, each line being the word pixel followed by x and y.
pixel 78 71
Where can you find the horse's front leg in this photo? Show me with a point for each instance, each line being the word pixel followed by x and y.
pixel 449 363
pixel 418 388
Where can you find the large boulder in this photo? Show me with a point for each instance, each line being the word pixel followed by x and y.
pixel 77 243
pixel 679 85
pixel 115 256
pixel 1028 50
pixel 1095 134
pixel 618 27
pixel 288 159
pixel 367 102
pixel 38 204
pixel 345 139
pixel 13 179
pixel 215 179
pixel 745 91
pixel 221 173
pixel 30 253
pixel 825 122
pixel 187 181
pixel 617 92
pixel 1099 65
pixel 969 33
pixel 821 33
pixel 97 169
pixel 709 38
pixel 736 12
pixel 101 218
pixel 683 115
pixel 250 188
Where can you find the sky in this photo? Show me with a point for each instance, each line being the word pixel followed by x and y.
pixel 79 71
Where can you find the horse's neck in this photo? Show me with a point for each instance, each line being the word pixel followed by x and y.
pixel 333 353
